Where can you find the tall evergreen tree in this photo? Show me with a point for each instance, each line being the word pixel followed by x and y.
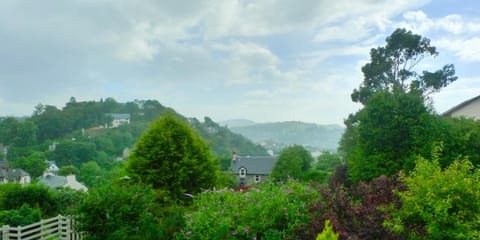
pixel 173 159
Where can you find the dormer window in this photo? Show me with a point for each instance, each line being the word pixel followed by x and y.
pixel 242 172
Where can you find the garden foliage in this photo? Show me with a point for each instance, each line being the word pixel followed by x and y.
pixel 270 211
pixel 23 205
pixel 327 233
pixel 439 204
pixel 119 211
pixel 356 212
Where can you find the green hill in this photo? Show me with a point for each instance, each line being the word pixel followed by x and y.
pixel 77 134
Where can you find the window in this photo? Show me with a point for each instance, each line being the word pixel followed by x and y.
pixel 257 178
pixel 243 172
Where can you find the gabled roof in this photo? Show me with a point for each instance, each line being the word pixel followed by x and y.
pixel 53 181
pixel 11 174
pixel 461 105
pixel 17 172
pixel 52 166
pixel 254 165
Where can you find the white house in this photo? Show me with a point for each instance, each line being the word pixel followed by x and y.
pixel 469 108
pixel 119 119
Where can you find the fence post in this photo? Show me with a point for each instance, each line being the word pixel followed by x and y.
pixel 5 231
pixel 60 226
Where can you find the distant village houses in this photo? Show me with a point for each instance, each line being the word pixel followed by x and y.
pixel 52 180
pixel 252 170
pixel 13 175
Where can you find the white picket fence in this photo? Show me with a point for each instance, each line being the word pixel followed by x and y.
pixel 56 228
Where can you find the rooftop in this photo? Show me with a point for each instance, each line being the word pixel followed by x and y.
pixel 462 104
pixel 119 115
pixel 254 165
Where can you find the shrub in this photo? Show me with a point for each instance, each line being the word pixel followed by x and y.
pixel 119 211
pixel 20 217
pixel 270 211
pixel 356 211
pixel 13 196
pixel 439 204
pixel 327 233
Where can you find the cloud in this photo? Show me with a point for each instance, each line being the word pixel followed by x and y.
pixel 419 22
pixel 264 58
pixel 465 49
pixel 455 33
pixel 360 19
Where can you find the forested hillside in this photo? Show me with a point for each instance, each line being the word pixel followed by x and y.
pixel 79 137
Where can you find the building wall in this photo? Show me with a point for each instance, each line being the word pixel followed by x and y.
pixel 25 180
pixel 250 179
pixel 118 122
pixel 470 110
pixel 74 184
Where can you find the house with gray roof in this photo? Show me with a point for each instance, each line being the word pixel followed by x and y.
pixel 69 181
pixel 252 170
pixel 13 175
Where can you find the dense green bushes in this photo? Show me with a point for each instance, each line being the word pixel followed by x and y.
pixel 121 210
pixel 22 205
pixel 268 212
pixel 439 204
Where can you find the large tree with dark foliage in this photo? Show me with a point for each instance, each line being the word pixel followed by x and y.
pixel 395 123
pixel 392 68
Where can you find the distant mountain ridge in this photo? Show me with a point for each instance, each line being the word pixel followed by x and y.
pixel 237 123
pixel 314 136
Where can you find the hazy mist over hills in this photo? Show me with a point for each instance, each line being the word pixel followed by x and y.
pixel 276 135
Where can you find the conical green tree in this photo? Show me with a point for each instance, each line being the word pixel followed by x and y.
pixel 172 158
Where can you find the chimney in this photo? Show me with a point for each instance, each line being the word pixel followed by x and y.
pixel 234 155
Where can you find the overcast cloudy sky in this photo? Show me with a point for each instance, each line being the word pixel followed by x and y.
pixel 265 60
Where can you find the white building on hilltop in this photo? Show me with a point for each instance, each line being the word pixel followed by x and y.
pixel 118 119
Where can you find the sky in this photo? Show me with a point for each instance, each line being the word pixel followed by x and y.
pixel 263 60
